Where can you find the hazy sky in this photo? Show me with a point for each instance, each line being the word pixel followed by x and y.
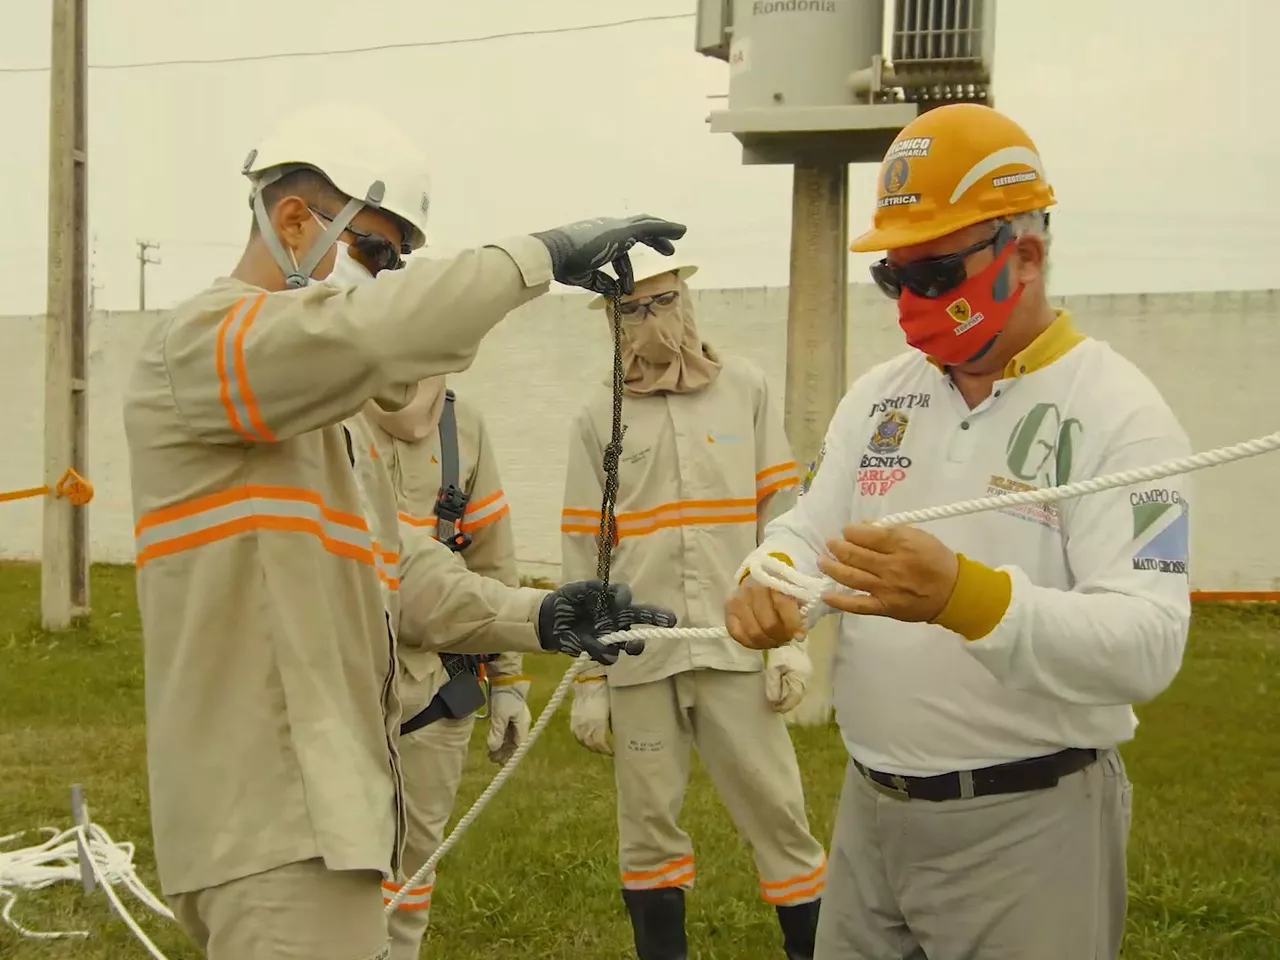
pixel 1153 116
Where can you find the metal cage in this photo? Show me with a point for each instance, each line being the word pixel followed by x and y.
pixel 941 51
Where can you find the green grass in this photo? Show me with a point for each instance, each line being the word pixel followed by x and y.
pixel 536 877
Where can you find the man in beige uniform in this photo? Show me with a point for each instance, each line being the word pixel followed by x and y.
pixel 273 577
pixel 442 464
pixel 705 463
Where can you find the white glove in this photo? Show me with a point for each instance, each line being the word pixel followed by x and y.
pixel 509 718
pixel 589 716
pixel 786 674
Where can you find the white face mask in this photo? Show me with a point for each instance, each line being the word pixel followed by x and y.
pixel 347 271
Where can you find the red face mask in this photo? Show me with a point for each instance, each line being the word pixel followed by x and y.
pixel 961 325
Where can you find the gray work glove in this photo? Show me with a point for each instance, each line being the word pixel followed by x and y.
pixel 570 620
pixel 579 250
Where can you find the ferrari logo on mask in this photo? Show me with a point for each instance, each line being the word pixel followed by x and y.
pixel 959 311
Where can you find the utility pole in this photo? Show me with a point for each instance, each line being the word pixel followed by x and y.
pixel 143 260
pixel 64 568
pixel 810 85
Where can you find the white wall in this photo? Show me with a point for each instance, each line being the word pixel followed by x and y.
pixel 1213 355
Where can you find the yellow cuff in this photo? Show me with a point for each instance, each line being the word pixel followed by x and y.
pixel 508 681
pixel 777 556
pixel 599 678
pixel 979 600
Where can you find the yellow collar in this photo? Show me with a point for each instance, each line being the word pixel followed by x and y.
pixel 1053 343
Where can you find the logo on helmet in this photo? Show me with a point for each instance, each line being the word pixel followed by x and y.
pixel 910 147
pixel 1011 178
pixel 896 172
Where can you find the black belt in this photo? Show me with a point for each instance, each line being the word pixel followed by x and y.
pixel 1021 776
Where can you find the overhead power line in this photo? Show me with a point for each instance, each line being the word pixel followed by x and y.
pixel 414 45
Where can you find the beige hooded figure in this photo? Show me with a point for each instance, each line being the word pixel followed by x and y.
pixel 434 433
pixel 705 465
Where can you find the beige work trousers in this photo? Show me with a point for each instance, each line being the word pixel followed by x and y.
pixel 1026 875
pixel 746 750
pixel 431 761
pixel 301 911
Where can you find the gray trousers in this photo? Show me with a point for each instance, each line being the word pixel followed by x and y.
pixel 1027 875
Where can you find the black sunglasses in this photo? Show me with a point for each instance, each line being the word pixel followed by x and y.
pixel 934 276
pixel 381 252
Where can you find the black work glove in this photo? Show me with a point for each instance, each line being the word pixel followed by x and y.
pixel 579 250
pixel 570 620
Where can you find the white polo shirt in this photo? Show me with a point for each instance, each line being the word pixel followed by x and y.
pixel 1100 603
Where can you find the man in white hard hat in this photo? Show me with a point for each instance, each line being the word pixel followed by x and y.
pixel 273 578
pixel 705 463
pixel 987 662
pixel 445 471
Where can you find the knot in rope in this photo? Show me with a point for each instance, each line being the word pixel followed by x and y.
pixel 72 487
pixel 75 489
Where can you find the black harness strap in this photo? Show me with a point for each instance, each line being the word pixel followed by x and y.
pixel 451 501
pixel 462 694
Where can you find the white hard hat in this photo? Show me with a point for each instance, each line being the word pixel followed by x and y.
pixel 361 154
pixel 646 263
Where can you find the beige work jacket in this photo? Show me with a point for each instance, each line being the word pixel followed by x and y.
pixel 415 470
pixel 701 474
pixel 273 576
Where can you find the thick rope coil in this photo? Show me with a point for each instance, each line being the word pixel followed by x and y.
pixel 57 859
pixel 74 488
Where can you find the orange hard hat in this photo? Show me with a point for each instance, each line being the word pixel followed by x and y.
pixel 949 168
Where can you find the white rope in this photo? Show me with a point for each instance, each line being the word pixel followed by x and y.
pixel 57 860
pixel 809 590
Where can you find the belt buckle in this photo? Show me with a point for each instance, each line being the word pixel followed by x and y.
pixel 896 791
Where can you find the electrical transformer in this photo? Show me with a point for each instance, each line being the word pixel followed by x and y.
pixel 811 81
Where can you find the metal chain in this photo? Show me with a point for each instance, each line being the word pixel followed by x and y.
pixel 612 459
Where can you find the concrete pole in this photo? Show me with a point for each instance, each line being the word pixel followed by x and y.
pixel 64 571
pixel 816 337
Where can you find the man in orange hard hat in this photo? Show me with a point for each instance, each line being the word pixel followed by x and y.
pixel 987 664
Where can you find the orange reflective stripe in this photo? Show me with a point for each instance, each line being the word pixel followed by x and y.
pixel 411 520
pixel 233 375
pixel 778 477
pixel 418 898
pixel 681 513
pixel 676 873
pixel 685 513
pixel 253 507
pixel 801 889
pixel 388 564
pixel 579 520
pixel 481 513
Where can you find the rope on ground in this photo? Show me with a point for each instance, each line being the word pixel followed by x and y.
pixel 57 860
pixel 72 487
